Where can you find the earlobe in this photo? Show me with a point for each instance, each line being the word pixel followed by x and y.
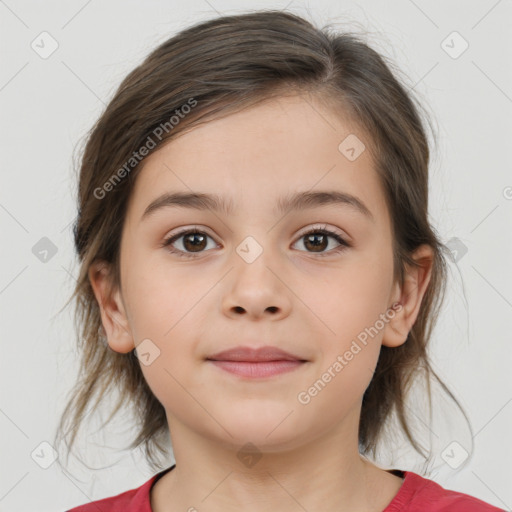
pixel 113 315
pixel 409 298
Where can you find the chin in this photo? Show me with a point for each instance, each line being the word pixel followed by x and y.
pixel 271 428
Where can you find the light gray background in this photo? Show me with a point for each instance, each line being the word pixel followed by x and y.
pixel 47 105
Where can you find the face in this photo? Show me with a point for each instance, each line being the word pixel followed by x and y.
pixel 254 277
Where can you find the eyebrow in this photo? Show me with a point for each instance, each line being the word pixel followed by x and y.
pixel 292 202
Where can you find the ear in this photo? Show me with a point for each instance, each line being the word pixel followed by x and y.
pixel 407 299
pixel 113 315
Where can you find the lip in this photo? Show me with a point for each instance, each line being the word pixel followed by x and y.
pixel 255 355
pixel 256 363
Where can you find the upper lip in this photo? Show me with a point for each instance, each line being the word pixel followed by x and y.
pixel 267 353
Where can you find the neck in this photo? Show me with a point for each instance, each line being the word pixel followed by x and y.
pixel 309 476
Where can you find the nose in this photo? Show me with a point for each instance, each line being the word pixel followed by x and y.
pixel 255 289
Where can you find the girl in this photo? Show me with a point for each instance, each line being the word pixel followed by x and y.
pixel 259 277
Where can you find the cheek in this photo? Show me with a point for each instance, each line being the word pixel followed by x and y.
pixel 159 296
pixel 350 308
pixel 162 305
pixel 353 297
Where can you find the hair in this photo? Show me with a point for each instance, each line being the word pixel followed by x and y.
pixel 219 67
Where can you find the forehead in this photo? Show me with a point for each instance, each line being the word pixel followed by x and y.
pixel 260 154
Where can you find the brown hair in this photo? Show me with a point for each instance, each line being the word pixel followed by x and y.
pixel 219 67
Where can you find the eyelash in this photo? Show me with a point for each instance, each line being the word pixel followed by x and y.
pixel 167 243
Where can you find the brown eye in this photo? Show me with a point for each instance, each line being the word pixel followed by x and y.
pixel 317 241
pixel 194 241
pixel 191 240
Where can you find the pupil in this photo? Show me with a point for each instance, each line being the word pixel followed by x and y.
pixel 195 244
pixel 315 244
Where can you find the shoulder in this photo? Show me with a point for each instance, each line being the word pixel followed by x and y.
pixel 419 494
pixel 137 499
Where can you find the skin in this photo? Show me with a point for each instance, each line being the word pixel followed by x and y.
pixel 192 308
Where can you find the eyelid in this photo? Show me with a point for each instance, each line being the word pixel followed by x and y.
pixel 323 226
pixel 187 229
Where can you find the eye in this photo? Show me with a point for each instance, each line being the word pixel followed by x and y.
pixel 194 241
pixel 317 239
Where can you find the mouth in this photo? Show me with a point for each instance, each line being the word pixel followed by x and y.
pixel 256 363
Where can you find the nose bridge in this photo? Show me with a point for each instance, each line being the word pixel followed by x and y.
pixel 257 259
pixel 255 287
pixel 258 236
pixel 250 249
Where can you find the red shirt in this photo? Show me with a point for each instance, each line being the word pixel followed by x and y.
pixel 417 494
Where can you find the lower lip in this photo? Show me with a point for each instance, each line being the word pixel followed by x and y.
pixel 257 369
